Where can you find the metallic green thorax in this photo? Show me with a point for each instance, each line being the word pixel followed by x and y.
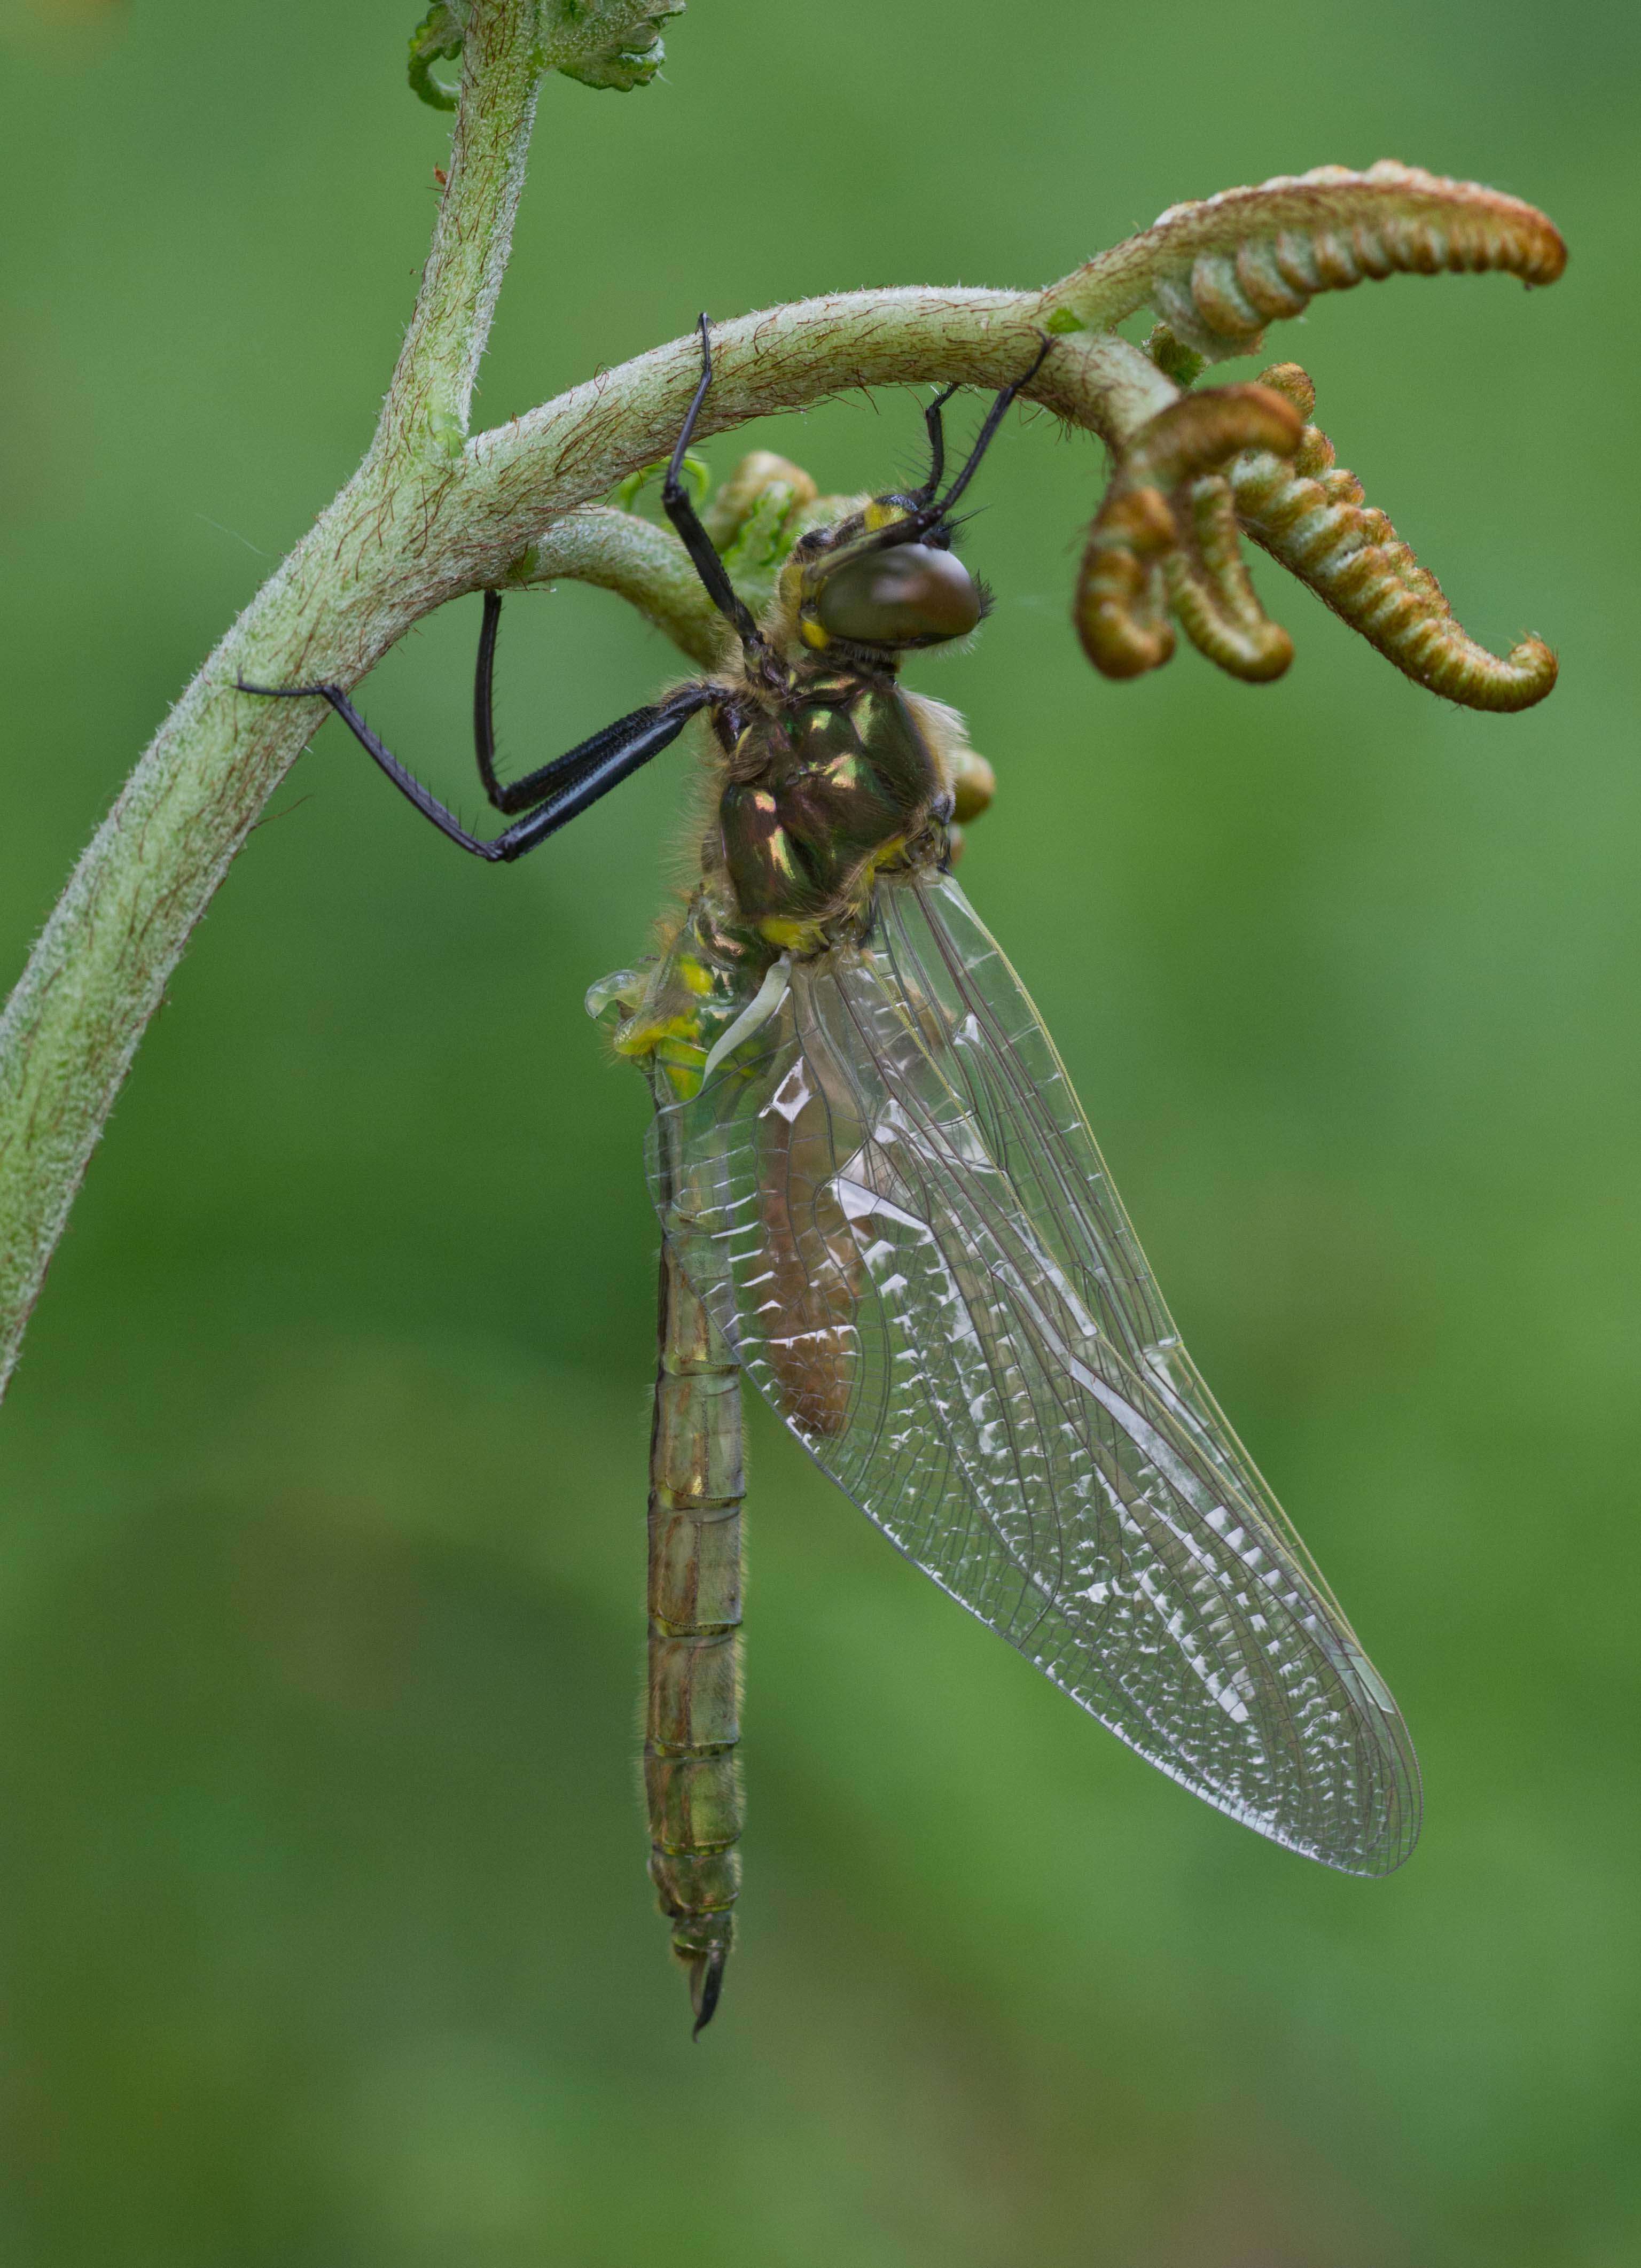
pixel 809 812
pixel 814 805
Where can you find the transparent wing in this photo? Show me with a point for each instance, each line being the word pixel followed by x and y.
pixel 890 1200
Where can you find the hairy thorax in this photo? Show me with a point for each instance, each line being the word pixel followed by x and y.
pixel 815 798
pixel 827 774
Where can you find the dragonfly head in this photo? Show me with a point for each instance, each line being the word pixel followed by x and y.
pixel 883 580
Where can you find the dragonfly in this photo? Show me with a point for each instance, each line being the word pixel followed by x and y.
pixel 881 1204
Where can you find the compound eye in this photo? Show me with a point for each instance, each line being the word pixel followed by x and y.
pixel 905 595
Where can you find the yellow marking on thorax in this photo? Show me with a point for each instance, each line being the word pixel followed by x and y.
pixel 792 936
pixel 660 1035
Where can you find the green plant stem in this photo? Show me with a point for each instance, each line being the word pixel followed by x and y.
pixel 99 970
pixel 414 528
pixel 640 563
pixel 430 515
pixel 432 393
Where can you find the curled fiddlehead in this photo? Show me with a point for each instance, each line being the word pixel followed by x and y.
pixel 438 38
pixel 1211 593
pixel 1219 270
pixel 1215 272
pixel 603 43
pixel 1310 513
pixel 1163 536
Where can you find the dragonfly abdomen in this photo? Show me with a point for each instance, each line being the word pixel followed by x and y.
pixel 693 1718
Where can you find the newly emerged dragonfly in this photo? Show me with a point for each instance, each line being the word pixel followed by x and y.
pixel 882 1203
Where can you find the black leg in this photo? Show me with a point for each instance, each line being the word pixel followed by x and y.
pixel 929 513
pixel 509 796
pixel 934 426
pixel 675 502
pixel 560 790
pixel 484 706
pixel 994 417
pixel 582 777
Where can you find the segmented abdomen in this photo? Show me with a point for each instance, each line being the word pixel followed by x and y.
pixel 692 1724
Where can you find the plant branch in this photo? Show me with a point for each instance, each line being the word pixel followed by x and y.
pixel 640 563
pixel 427 518
pixel 574 449
pixel 429 400
pixel 99 968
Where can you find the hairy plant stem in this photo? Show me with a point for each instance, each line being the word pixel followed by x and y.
pixel 430 514
pixel 417 525
pixel 99 970
pixel 431 392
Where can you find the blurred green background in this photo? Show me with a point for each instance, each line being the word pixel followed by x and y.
pixel 326 1937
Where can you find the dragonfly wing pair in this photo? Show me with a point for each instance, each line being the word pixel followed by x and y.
pixel 889 1199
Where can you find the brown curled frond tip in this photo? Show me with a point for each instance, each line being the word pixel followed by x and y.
pixel 1311 514
pixel 1119 613
pixel 1217 270
pixel 1238 459
pixel 1166 538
